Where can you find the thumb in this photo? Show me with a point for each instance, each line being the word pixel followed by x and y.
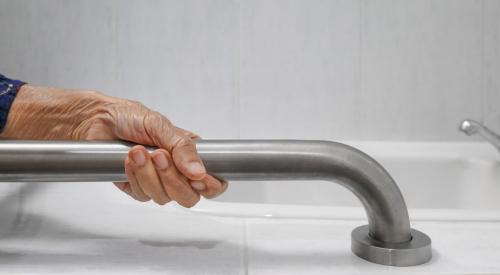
pixel 179 143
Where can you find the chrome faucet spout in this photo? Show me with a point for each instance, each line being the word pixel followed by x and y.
pixel 387 239
pixel 471 127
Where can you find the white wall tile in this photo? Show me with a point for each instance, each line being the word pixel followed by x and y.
pixel 492 63
pixel 180 57
pixel 57 43
pixel 299 68
pixel 421 67
pixel 382 69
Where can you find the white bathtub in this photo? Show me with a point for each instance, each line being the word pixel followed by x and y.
pixel 439 181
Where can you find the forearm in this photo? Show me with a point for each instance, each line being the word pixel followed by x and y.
pixel 48 113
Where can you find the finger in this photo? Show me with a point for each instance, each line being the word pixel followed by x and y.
pixel 145 173
pixel 209 187
pixel 187 160
pixel 176 185
pixel 136 190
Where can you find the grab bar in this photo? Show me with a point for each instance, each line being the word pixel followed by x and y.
pixel 387 239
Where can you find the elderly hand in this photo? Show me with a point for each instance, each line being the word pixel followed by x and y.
pixel 174 172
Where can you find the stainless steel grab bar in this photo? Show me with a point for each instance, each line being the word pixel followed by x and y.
pixel 387 239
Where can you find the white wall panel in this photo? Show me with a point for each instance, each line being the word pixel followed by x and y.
pixel 299 69
pixel 492 64
pixel 421 68
pixel 383 69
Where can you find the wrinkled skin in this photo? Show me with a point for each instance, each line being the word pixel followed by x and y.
pixel 174 172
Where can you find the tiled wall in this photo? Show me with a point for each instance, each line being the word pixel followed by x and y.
pixel 324 69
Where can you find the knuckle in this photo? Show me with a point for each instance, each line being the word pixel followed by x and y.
pixel 186 141
pixel 161 201
pixel 211 194
pixel 182 142
pixel 188 203
pixel 159 126
pixel 142 198
pixel 160 198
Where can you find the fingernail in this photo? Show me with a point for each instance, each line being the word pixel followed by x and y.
pixel 160 161
pixel 138 157
pixel 198 185
pixel 196 168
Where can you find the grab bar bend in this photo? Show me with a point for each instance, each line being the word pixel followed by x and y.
pixel 387 239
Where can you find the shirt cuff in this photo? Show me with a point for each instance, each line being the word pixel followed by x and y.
pixel 8 92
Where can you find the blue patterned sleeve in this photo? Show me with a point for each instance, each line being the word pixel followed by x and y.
pixel 8 92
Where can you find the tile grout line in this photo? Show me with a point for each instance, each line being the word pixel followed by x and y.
pixel 237 101
pixel 245 247
pixel 483 64
pixel 360 64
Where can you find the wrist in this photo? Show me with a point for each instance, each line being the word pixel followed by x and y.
pixel 48 113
